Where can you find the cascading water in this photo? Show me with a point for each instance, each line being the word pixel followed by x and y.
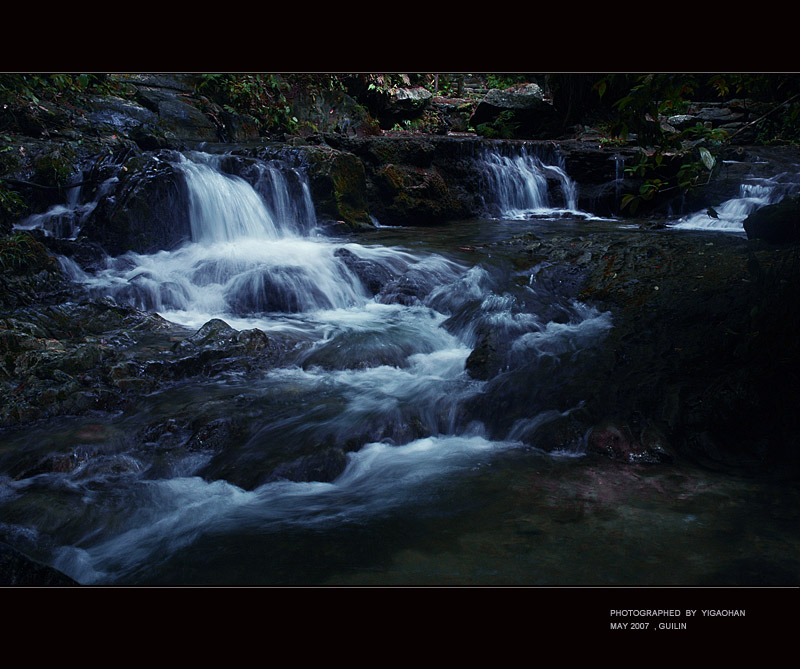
pixel 754 193
pixel 65 220
pixel 518 184
pixel 441 480
pixel 381 364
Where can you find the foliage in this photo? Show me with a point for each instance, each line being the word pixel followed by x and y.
pixel 671 160
pixel 649 97
pixel 11 203
pixel 447 85
pixel 503 126
pixel 687 159
pixel 383 83
pixel 263 96
pixel 34 88
pixel 781 128
pixel 55 168
pixel 20 253
pixel 503 81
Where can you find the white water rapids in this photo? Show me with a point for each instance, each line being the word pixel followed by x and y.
pixel 754 193
pixel 257 260
pixel 431 490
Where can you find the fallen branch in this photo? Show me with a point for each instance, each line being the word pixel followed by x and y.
pixel 30 184
pixel 763 116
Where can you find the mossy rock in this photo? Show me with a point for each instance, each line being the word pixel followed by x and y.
pixel 339 186
pixel 415 194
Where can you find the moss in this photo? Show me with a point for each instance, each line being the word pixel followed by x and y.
pixel 390 180
pixel 339 186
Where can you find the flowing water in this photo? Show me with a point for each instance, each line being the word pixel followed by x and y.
pixel 754 193
pixel 432 495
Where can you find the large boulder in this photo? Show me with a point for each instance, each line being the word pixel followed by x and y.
pixel 171 98
pixel 776 223
pixel 331 111
pixel 516 112
pixel 415 195
pixel 338 185
pixel 148 211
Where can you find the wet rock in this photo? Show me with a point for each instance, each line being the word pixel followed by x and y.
pixel 275 289
pixel 17 569
pixel 776 223
pixel 617 441
pixel 487 357
pixel 214 348
pixel 324 466
pixel 332 112
pixel 148 211
pixel 215 435
pixel 373 275
pixel 337 181
pixel 415 195
pixel 408 289
pixel 179 116
pixel 120 114
pixel 72 358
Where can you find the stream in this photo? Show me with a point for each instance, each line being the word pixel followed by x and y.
pixel 376 331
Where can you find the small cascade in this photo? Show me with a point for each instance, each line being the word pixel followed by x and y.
pixel 753 194
pixel 274 201
pixel 519 183
pixel 225 208
pixel 254 251
pixel 65 220
pixel 619 175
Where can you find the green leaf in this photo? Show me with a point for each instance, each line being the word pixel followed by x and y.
pixel 708 160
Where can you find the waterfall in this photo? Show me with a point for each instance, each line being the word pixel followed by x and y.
pixel 518 183
pixel 254 251
pixel 273 203
pixel 753 194
pixel 65 220
pixel 619 175
pixel 375 365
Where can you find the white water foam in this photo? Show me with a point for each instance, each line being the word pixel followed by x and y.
pixel 256 263
pixel 169 515
pixel 518 187
pixel 731 214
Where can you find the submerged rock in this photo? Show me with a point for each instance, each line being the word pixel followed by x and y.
pixel 17 569
pixel 373 275
pixel 617 441
pixel 324 467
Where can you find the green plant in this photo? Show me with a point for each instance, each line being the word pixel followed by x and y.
pixel 671 160
pixel 262 96
pixel 696 166
pixel 33 88
pixel 11 203
pixel 503 126
pixel 54 168
pixel 780 128
pixel 506 80
pixel 20 253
